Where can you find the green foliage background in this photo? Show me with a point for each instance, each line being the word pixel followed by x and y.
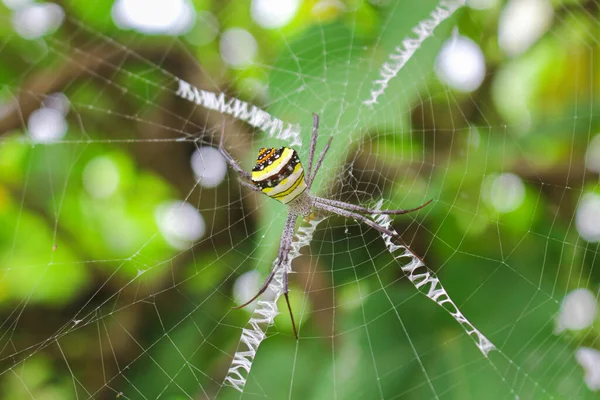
pixel 155 322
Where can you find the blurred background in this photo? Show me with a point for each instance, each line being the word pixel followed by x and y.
pixel 125 239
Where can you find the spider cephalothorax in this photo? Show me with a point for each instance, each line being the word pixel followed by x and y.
pixel 279 174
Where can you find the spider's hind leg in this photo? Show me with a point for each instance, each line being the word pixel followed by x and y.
pixel 262 289
pixel 355 216
pixel 364 210
pixel 287 300
pixel 285 247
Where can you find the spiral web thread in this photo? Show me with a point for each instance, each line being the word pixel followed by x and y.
pixel 420 276
pixel 264 314
pixel 404 52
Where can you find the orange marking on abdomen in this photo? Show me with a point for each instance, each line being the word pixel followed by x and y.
pixel 265 155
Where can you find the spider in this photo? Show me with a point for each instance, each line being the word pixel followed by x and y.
pixel 279 174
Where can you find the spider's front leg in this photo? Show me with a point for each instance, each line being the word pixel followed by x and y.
pixel 245 178
pixel 230 160
pixel 249 185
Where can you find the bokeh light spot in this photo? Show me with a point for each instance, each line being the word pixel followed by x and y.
pixel 273 13
pixel 461 64
pixel 101 177
pixel 57 101
pixel 589 359
pixel 238 47
pixel 577 310
pixel 522 23
pixel 592 155
pixel 587 218
pixel 180 223
pixel 474 138
pixel 209 166
pixel 166 17
pixel 504 192
pixel 36 20
pixel 47 125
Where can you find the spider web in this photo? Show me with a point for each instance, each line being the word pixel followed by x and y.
pixel 127 293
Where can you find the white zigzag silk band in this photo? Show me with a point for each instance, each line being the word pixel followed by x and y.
pixel 237 108
pixel 404 51
pixel 264 314
pixel 420 276
pixel 266 311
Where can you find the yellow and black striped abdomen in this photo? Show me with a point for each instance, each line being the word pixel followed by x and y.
pixel 278 173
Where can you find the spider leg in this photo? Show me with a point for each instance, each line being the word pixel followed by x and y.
pixel 248 185
pixel 287 300
pixel 318 166
pixel 284 250
pixel 282 259
pixel 313 142
pixel 364 210
pixel 230 160
pixel 262 289
pixel 358 217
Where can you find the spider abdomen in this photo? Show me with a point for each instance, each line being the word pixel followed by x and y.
pixel 278 173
